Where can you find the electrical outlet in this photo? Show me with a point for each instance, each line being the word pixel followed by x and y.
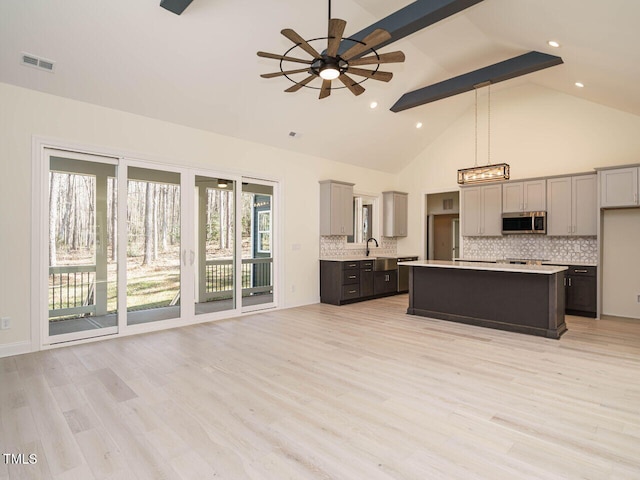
pixel 639 298
pixel 5 323
pixel 576 248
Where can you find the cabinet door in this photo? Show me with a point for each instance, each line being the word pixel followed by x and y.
pixel 559 206
pixel 471 208
pixel 581 293
pixel 400 215
pixel 347 210
pixel 366 282
pixel 585 205
pixel 534 196
pixel 337 209
pixel 491 210
pixel 619 187
pixel 385 282
pixel 512 197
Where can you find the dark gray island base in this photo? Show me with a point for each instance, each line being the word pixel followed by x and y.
pixel 523 299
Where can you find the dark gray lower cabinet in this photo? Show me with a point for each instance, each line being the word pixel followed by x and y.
pixel 385 282
pixel 353 281
pixel 580 291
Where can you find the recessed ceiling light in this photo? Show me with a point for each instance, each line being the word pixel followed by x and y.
pixel 579 84
pixel 553 43
pixel 373 104
pixel 419 125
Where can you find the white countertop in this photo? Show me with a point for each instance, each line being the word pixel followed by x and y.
pixel 354 258
pixel 546 262
pixel 497 267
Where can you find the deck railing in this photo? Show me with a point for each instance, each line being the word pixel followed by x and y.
pixel 257 277
pixel 72 290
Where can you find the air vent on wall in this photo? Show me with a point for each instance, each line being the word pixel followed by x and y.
pixel 36 62
pixel 447 204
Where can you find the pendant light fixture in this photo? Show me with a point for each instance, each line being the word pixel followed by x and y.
pixel 489 172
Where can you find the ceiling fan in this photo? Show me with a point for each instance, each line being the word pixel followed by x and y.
pixel 330 64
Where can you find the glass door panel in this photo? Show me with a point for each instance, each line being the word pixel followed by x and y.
pixel 257 244
pixel 153 245
pixel 215 238
pixel 82 285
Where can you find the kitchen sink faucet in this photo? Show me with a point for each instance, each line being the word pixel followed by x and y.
pixel 376 242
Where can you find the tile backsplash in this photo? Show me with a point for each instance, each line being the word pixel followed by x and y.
pixel 337 246
pixel 560 249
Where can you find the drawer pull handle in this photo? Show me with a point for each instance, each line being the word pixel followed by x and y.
pixel 367 270
pixel 352 277
pixel 352 291
pixel 581 271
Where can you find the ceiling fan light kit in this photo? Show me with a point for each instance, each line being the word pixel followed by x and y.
pixel 330 65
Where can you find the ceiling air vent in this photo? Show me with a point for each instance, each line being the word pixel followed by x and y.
pixel 36 62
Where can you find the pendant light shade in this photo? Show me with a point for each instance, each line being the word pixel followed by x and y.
pixel 485 173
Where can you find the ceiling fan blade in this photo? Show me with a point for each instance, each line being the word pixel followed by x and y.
pixel 372 74
pixel 286 72
pixel 391 57
pixel 325 91
pixel 336 29
pixel 282 57
pixel 301 84
pixel 298 40
pixel 370 41
pixel 351 84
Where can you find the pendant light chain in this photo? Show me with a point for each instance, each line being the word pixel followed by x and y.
pixel 475 163
pixel 489 124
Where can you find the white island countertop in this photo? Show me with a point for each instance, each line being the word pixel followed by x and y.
pixel 496 267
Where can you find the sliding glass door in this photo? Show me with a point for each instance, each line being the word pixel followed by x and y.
pixel 153 245
pixel 82 293
pixel 257 244
pixel 131 245
pixel 215 200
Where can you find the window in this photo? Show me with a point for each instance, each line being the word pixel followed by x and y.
pixel 264 232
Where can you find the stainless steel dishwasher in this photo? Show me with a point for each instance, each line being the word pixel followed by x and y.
pixel 403 274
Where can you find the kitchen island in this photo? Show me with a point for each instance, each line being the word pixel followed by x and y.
pixel 519 298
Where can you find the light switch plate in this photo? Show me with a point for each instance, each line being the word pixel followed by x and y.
pixel 5 323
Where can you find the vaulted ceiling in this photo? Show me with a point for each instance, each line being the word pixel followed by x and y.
pixel 200 69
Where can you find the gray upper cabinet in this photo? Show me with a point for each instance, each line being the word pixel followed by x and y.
pixel 336 208
pixel 619 187
pixel 481 211
pixel 572 207
pixel 394 213
pixel 524 196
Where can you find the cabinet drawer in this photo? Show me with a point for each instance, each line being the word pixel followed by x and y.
pixel 366 264
pixel 350 276
pixel 350 265
pixel 581 271
pixel 350 291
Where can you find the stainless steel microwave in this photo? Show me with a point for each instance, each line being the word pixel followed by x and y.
pixel 524 222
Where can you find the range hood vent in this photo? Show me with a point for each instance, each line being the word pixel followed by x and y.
pixel 37 62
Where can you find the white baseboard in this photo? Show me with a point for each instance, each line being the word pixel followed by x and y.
pixel 17 348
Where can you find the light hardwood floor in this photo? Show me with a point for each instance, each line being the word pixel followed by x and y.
pixel 362 392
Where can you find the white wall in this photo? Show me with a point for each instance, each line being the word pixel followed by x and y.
pixel 25 113
pixel 621 263
pixel 539 132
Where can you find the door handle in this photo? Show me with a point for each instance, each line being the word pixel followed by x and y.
pixel 184 257
pixel 192 257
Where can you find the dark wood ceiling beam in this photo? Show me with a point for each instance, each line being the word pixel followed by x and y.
pixel 410 19
pixel 498 72
pixel 175 6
